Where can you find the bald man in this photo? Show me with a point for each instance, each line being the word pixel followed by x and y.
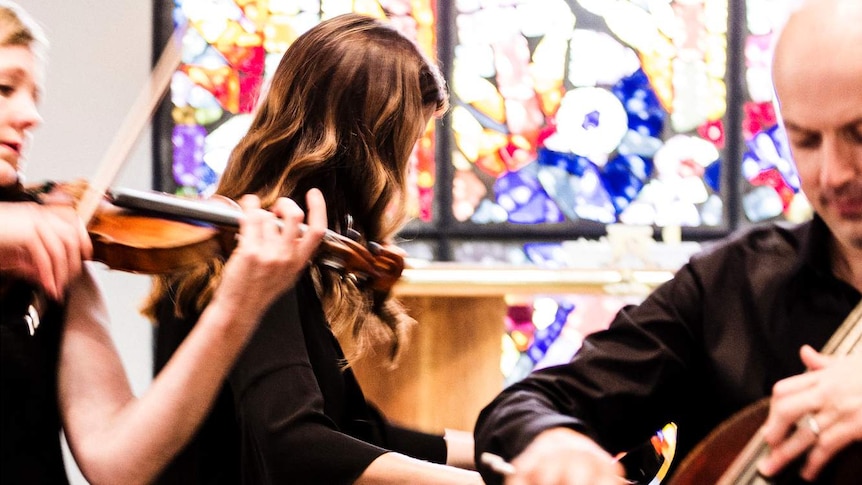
pixel 740 322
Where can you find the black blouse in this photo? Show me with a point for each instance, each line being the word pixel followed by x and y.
pixel 30 450
pixel 700 348
pixel 290 413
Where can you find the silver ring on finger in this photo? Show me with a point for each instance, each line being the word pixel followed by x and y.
pixel 808 421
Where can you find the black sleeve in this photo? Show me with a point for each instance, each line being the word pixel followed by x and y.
pixel 286 436
pixel 407 441
pixel 424 446
pixel 621 386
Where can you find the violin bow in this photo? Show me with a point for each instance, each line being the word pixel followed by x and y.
pixel 133 125
pixel 118 152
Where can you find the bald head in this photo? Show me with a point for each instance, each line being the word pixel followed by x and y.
pixel 820 31
pixel 817 55
pixel 817 71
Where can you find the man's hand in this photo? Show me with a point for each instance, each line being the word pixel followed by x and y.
pixel 819 412
pixel 561 456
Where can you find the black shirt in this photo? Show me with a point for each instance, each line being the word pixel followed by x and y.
pixel 701 347
pixel 30 450
pixel 290 413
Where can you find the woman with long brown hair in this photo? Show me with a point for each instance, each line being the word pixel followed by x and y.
pixel 345 107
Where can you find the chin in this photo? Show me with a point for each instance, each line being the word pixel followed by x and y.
pixel 849 232
pixel 8 173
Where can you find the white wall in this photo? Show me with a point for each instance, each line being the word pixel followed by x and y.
pixel 99 61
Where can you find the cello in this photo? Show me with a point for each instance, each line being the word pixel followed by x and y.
pixel 729 455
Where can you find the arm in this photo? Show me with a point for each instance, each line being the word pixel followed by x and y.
pixel 397 469
pixel 459 449
pixel 303 418
pixel 453 448
pixel 116 438
pixel 639 363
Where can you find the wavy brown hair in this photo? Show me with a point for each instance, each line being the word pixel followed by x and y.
pixel 345 107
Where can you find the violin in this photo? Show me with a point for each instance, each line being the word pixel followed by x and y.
pixel 152 232
pixel 155 233
pixel 157 243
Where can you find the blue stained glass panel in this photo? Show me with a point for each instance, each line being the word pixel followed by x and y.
pixel 610 111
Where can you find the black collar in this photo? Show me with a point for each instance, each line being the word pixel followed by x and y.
pixel 815 240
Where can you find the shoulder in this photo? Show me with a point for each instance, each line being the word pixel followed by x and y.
pixel 773 240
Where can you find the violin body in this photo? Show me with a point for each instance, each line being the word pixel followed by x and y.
pixel 371 264
pixel 128 241
pixel 136 242
pixel 708 462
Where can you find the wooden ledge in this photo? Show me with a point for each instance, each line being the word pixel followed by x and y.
pixel 455 279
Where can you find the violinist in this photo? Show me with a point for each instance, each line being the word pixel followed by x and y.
pixel 742 321
pixel 347 103
pixel 59 367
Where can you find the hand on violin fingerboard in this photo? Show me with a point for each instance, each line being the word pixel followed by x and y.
pixel 272 250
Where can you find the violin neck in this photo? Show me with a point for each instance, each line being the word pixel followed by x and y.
pixel 168 205
pixel 174 206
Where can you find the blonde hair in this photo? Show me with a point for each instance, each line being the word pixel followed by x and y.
pixel 344 109
pixel 17 28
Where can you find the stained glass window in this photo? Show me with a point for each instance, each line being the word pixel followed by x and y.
pixel 597 110
pixel 567 116
pixel 229 51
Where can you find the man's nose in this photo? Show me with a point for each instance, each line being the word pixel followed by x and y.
pixel 840 163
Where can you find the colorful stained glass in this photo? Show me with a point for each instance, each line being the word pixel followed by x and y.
pixel 230 50
pixel 559 106
pixel 598 111
pixel 771 184
pixel 616 110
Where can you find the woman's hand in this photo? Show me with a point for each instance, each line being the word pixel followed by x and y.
pixel 43 244
pixel 268 259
